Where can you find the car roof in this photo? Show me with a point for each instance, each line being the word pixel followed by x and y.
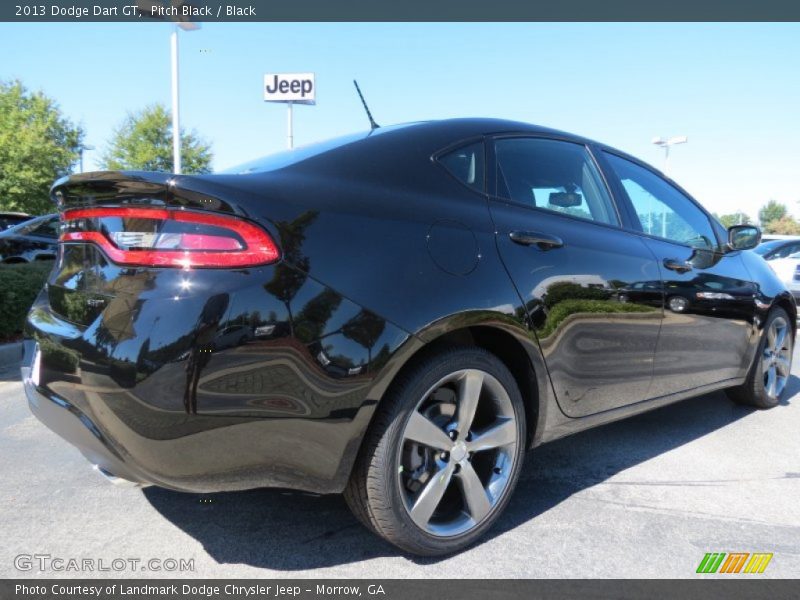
pixel 425 137
pixel 480 126
pixel 463 128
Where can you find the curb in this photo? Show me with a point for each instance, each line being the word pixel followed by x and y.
pixel 10 354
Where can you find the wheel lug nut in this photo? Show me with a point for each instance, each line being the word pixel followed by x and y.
pixel 453 434
pixel 444 456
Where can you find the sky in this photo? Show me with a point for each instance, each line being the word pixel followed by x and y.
pixel 733 89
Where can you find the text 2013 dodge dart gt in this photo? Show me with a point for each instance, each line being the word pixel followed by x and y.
pixel 397 315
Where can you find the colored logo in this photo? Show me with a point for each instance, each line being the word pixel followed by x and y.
pixel 734 562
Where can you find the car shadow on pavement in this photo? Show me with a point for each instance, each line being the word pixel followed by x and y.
pixel 9 373
pixel 293 531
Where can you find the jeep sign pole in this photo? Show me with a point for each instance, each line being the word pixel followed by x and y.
pixel 291 89
pixel 289 133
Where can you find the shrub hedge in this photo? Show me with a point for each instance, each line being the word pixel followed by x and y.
pixel 19 286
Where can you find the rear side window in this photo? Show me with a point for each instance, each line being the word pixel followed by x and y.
pixel 467 164
pixel 553 175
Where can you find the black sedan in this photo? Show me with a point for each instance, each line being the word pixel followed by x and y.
pixel 414 308
pixel 29 241
pixel 9 219
pixel 781 248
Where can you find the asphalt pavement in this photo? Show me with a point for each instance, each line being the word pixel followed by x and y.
pixel 645 497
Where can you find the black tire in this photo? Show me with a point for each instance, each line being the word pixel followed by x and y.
pixel 756 390
pixel 376 492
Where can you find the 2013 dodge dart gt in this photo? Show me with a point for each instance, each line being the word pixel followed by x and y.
pixel 397 315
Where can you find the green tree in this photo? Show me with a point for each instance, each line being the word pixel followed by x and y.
pixel 737 218
pixel 771 211
pixel 37 145
pixel 365 329
pixel 143 142
pixel 786 225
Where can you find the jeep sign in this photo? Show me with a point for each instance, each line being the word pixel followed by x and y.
pixel 298 88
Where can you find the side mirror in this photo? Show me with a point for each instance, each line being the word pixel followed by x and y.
pixel 743 237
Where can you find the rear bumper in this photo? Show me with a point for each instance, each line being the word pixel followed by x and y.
pixel 151 392
pixel 70 423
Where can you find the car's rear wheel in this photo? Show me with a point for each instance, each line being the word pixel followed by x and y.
pixel 772 365
pixel 443 454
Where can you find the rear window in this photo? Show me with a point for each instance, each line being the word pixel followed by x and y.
pixel 281 160
pixel 273 162
pixel 467 164
pixel 48 228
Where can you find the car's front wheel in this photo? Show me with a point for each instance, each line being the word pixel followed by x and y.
pixel 772 365
pixel 443 455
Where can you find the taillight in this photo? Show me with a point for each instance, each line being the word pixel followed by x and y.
pixel 157 237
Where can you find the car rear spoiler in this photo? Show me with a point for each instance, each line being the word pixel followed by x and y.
pixel 117 188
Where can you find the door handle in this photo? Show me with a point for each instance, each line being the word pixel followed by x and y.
pixel 545 241
pixel 681 266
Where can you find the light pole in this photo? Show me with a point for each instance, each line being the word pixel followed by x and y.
pixel 81 149
pixel 176 105
pixel 176 119
pixel 156 9
pixel 666 143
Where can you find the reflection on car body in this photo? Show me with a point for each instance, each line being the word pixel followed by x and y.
pixel 10 219
pixel 31 240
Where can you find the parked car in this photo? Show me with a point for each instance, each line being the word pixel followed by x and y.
pixel 788 270
pixel 442 297
pixel 9 219
pixel 774 249
pixel 771 237
pixel 783 256
pixel 233 335
pixel 32 240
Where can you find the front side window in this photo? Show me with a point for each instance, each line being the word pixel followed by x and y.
pixel 552 175
pixel 663 211
pixel 466 164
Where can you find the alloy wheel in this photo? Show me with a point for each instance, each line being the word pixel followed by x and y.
pixel 457 453
pixel 678 304
pixel 777 357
